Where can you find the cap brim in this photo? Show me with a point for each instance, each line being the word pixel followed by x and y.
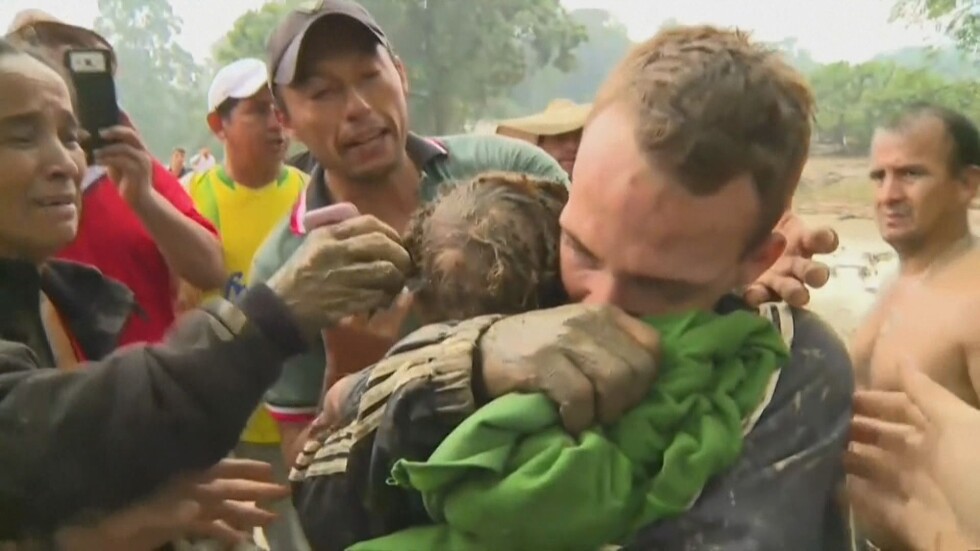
pixel 285 71
pixel 246 89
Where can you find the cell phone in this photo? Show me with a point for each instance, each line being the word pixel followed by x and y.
pixel 95 89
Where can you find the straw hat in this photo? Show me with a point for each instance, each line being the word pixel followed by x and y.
pixel 560 117
pixel 27 23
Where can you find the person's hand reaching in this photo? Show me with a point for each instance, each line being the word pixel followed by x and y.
pixel 224 503
pixel 920 445
pixel 795 270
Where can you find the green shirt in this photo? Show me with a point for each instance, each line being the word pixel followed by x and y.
pixel 440 160
pixel 511 477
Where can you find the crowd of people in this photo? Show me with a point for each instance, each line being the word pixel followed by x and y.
pixel 587 331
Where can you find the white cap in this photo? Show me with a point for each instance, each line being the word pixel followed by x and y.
pixel 239 79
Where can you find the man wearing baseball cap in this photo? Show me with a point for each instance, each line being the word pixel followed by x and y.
pixel 244 198
pixel 343 93
pixel 144 240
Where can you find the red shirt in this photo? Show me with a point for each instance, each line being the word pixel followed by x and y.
pixel 112 239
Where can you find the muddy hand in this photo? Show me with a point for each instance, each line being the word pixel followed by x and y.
pixel 795 270
pixel 385 323
pixel 349 268
pixel 594 362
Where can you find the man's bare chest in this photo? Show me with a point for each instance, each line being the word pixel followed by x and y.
pixel 919 328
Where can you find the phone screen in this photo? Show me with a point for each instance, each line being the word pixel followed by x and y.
pixel 98 108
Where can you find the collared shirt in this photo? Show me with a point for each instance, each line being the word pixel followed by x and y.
pixel 440 160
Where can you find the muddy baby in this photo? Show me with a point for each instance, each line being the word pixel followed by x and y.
pixel 485 246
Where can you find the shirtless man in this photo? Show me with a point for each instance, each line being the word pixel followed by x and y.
pixel 926 168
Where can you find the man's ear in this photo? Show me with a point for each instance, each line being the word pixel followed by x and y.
pixel 216 125
pixel 761 257
pixel 971 181
pixel 402 74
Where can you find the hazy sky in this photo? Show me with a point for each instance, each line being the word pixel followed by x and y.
pixel 853 30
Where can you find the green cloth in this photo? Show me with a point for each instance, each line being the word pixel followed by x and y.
pixel 509 477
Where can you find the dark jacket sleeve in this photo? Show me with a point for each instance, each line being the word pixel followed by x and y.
pixel 89 441
pixel 400 408
pixel 781 493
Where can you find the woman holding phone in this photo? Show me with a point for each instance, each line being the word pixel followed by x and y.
pixel 61 315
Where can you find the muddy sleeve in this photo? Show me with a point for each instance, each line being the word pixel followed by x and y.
pixel 92 440
pixel 781 493
pixel 400 408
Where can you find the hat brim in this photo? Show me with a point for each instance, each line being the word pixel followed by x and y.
pixel 246 89
pixel 547 123
pixel 285 70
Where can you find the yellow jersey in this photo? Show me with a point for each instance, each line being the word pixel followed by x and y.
pixel 244 217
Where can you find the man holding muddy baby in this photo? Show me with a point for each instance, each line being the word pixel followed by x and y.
pixel 687 165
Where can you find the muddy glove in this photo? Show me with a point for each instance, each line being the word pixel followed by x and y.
pixel 594 362
pixel 349 268
pixel 789 277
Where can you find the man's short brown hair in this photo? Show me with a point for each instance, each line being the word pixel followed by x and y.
pixel 711 105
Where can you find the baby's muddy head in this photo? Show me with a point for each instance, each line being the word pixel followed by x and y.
pixel 488 246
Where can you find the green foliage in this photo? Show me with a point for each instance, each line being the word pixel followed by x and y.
pixel 159 84
pixel 250 32
pixel 853 99
pixel 606 43
pixel 946 62
pixel 960 19
pixel 460 56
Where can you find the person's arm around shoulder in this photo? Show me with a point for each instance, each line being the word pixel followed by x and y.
pixel 781 493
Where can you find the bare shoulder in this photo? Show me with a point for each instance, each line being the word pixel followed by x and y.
pixel 961 281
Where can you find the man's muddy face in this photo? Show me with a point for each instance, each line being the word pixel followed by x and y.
pixel 348 104
pixel 563 147
pixel 633 237
pixel 916 194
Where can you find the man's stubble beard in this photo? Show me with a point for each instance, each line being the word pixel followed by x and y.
pixel 378 177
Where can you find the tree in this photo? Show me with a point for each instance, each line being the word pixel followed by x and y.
pixel 460 56
pixel 960 19
pixel 605 45
pixel 947 62
pixel 159 84
pixel 249 34
pixel 795 55
pixel 853 100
